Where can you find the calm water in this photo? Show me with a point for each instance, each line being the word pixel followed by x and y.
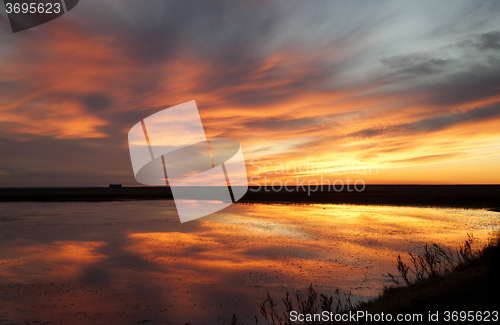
pixel 122 262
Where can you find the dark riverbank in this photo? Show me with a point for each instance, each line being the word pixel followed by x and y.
pixel 473 196
pixel 471 285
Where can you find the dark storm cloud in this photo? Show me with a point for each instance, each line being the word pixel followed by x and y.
pixel 372 132
pixel 485 41
pixel 426 158
pixel 445 121
pixel 463 72
pixel 415 64
pixel 97 102
pixel 433 124
pixel 234 40
pixel 46 161
pixel 7 86
pixel 478 82
pixel 156 31
pixel 284 124
pixel 490 40
pixel 282 83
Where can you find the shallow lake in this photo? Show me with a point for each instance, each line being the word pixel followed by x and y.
pixel 133 261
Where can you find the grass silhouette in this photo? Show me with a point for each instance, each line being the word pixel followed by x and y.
pixel 434 280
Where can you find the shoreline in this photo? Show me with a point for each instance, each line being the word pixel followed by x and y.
pixel 454 196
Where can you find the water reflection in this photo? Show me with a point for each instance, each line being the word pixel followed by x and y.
pixel 115 262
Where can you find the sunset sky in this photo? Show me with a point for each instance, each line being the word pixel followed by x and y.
pixel 412 87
